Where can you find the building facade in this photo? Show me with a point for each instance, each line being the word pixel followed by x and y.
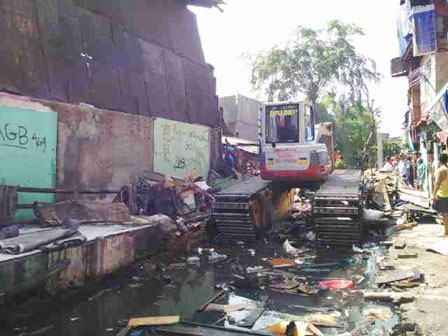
pixel 423 59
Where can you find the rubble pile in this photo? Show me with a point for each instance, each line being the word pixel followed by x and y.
pixel 153 193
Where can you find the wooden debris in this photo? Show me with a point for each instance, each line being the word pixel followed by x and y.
pixel 377 314
pixel 157 320
pixel 407 255
pixel 388 296
pixel 284 284
pixel 323 320
pixel 314 330
pixel 281 262
pixel 407 226
pixel 211 300
pixel 400 244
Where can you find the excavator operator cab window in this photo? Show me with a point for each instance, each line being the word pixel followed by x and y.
pixel 282 124
pixel 309 123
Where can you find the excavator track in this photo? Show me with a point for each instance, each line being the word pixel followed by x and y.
pixel 243 211
pixel 237 211
pixel 337 209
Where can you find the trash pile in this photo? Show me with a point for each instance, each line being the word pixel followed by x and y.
pixel 300 224
pixel 153 193
pixel 64 232
pixel 316 296
pixel 396 201
pixel 179 209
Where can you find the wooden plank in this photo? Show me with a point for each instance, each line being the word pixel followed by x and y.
pixel 314 330
pixel 213 298
pixel 156 320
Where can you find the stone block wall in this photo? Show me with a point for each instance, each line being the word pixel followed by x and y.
pixel 137 56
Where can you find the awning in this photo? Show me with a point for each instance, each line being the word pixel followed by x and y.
pixel 438 113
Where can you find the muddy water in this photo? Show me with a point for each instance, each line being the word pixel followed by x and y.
pixel 104 308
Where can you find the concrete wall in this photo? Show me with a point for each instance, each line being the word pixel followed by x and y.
pixel 28 143
pixel 95 148
pixel 101 149
pixel 181 150
pixel 241 114
pixel 137 56
pixel 230 113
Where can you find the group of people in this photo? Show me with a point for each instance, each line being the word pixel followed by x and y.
pixel 405 165
pixel 410 168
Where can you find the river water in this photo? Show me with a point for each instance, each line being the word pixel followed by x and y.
pixel 157 289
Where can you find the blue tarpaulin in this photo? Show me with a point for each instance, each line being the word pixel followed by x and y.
pixel 404 27
pixel 424 25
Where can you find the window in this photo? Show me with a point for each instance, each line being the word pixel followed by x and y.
pixel 309 123
pixel 282 124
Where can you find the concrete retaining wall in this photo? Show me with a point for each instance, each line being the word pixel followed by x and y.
pixel 138 56
pixel 92 260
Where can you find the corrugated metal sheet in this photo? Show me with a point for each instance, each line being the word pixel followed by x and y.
pixel 242 144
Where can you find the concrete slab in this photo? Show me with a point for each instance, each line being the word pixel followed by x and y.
pixel 107 249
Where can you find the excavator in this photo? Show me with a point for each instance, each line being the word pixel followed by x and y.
pixel 294 152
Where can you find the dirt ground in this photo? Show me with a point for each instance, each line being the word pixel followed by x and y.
pixel 429 309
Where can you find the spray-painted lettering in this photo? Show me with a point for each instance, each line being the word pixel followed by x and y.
pixel 18 136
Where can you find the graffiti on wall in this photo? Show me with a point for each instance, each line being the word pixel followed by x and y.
pixel 28 151
pixel 181 149
pixel 18 136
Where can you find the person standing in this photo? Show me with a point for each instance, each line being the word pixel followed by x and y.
pixel 404 168
pixel 421 174
pixel 440 195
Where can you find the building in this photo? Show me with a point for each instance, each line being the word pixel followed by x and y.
pixel 123 82
pixel 240 116
pixel 423 59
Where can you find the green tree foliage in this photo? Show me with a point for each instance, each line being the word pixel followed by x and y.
pixel 390 148
pixel 353 126
pixel 311 62
pixel 315 62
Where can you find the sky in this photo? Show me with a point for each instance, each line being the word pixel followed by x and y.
pixel 249 26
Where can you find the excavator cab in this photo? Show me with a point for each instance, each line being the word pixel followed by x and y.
pixel 289 151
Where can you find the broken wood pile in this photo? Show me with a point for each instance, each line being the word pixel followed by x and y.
pixel 153 193
pixel 179 209
pixel 399 201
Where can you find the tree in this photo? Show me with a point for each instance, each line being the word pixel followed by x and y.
pixel 311 62
pixel 390 148
pixel 353 127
